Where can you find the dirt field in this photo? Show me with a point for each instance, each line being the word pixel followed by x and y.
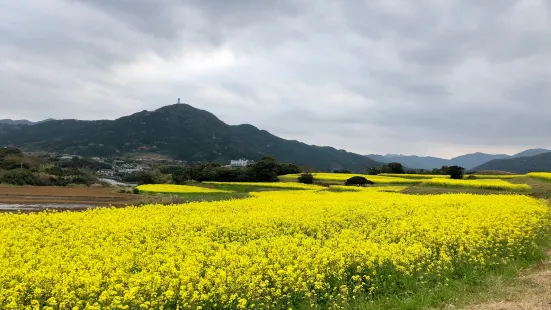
pixel 51 195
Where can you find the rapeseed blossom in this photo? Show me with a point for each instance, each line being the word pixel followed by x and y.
pixel 480 183
pixel 541 175
pixel 415 176
pixel 278 185
pixel 183 189
pixel 341 177
pixel 368 188
pixel 293 249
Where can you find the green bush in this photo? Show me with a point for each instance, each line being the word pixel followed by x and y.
pixel 20 177
pixel 306 178
pixel 358 181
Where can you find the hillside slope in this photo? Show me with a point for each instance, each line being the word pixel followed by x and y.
pixel 541 162
pixel 181 131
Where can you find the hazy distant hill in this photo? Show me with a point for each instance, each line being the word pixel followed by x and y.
pixel 21 121
pixel 540 162
pixel 467 161
pixel 531 152
pixel 412 161
pixel 180 131
pixel 15 122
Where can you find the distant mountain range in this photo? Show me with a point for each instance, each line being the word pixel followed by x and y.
pixel 468 161
pixel 523 164
pixel 22 121
pixel 187 133
pixel 180 131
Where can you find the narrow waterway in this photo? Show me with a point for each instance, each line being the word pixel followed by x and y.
pixel 115 182
pixel 14 207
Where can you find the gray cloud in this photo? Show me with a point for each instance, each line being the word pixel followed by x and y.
pixel 427 77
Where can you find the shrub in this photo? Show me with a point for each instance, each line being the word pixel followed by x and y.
pixel 306 178
pixel 19 177
pixel 135 190
pixel 456 172
pixel 358 181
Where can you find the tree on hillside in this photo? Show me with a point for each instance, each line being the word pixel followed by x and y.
pixel 396 168
pixel 456 172
pixel 265 170
pixel 373 171
pixel 286 168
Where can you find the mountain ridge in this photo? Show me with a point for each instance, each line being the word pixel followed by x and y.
pixel 178 130
pixel 468 161
pixel 523 164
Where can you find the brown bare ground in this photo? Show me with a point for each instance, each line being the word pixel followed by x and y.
pixel 53 194
pixel 532 291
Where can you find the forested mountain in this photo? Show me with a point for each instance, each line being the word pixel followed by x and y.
pixel 180 131
pixel 541 162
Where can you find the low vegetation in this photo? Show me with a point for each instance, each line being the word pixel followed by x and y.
pixel 478 184
pixel 17 168
pixel 268 185
pixel 179 189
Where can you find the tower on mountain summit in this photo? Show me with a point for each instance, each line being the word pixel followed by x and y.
pixel 178 100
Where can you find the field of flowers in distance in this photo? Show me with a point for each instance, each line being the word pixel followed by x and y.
pixel 284 245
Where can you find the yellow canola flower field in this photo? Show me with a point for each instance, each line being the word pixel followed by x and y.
pixel 368 188
pixel 278 185
pixel 496 176
pixel 341 177
pixel 480 184
pixel 182 189
pixel 541 175
pixel 415 176
pixel 294 249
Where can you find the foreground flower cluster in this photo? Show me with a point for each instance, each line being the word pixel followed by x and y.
pixel 480 184
pixel 171 188
pixel 294 249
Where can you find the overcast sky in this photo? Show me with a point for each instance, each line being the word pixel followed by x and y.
pixel 427 77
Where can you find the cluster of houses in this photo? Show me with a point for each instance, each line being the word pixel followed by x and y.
pixel 121 167
pixel 238 163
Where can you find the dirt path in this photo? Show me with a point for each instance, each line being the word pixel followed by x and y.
pixel 531 291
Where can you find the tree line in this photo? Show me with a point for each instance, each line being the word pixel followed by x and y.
pixel 265 170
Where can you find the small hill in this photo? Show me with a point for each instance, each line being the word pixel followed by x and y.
pixel 15 122
pixel 469 161
pixel 541 162
pixel 22 121
pixel 412 161
pixel 180 131
pixel 531 152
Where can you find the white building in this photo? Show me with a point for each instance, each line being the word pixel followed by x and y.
pixel 240 162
